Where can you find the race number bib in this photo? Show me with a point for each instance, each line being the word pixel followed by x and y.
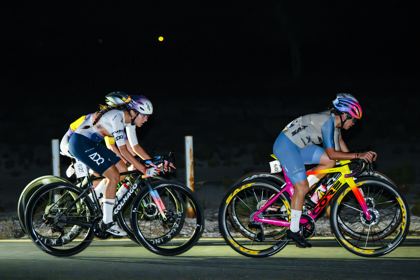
pixel 81 169
pixel 275 166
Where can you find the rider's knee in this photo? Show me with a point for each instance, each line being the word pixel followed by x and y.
pixel 113 178
pixel 329 163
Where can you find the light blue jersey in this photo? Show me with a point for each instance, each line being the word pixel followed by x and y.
pixel 294 147
pixel 314 129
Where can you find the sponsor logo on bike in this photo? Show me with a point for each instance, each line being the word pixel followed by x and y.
pixel 125 198
pixel 324 201
pixel 243 249
pixel 238 190
pixel 169 235
pixel 403 214
pixel 348 245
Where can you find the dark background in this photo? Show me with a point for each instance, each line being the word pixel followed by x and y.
pixel 230 74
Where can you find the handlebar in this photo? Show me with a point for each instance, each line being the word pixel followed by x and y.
pixel 160 162
pixel 362 166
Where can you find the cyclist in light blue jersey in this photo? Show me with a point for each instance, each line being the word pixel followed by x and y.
pixel 297 145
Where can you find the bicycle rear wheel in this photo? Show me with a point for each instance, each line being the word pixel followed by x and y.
pixel 181 227
pixel 56 224
pixel 384 232
pixel 29 190
pixel 236 223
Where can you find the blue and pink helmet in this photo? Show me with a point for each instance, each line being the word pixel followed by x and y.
pixel 347 103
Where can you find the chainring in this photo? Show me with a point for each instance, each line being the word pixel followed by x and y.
pixel 308 227
pixel 98 232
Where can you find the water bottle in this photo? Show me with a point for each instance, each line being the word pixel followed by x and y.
pixel 122 191
pixel 319 193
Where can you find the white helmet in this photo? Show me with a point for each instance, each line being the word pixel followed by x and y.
pixel 141 104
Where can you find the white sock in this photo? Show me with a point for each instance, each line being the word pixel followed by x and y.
pixel 312 179
pixel 107 209
pixel 295 219
pixel 100 188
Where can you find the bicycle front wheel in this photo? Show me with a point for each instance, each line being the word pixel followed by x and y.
pixel 57 222
pixel 389 223
pixel 236 222
pixel 124 216
pixel 174 231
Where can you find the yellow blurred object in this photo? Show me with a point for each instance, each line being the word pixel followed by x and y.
pixel 160 38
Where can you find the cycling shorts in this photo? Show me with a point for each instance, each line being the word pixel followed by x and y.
pixel 293 159
pixel 93 154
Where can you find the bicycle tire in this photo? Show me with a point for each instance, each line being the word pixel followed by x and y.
pixel 384 232
pixel 239 232
pixel 124 216
pixel 379 235
pixel 275 178
pixel 182 232
pixel 52 237
pixel 28 191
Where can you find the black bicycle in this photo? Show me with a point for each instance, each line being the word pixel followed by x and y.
pixel 162 215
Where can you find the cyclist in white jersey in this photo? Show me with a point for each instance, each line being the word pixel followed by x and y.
pixel 113 98
pixel 85 145
pixel 294 148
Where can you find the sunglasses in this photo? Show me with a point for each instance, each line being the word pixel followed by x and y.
pixel 145 116
pixel 349 117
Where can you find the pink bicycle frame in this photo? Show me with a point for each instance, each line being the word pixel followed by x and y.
pixel 314 213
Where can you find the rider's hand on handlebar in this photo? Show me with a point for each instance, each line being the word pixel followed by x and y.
pixel 368 156
pixel 169 167
pixel 151 172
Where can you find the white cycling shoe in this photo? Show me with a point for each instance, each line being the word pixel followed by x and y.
pixel 112 228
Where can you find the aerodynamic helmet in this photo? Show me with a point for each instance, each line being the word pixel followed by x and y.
pixel 347 103
pixel 117 98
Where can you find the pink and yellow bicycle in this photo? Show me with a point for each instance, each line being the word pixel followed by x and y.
pixel 369 215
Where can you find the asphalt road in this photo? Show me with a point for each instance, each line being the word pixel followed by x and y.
pixel 209 259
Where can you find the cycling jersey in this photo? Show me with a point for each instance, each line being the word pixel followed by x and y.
pixel 85 144
pixel 314 129
pixel 294 146
pixel 113 122
pixel 64 144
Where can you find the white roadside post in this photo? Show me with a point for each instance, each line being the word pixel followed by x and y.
pixel 189 168
pixel 55 157
pixel 55 161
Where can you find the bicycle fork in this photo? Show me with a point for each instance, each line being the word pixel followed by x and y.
pixel 157 200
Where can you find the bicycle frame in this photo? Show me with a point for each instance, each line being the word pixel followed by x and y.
pixel 341 181
pixel 155 196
